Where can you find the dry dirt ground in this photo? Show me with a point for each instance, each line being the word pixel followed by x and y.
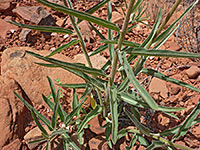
pixel 164 93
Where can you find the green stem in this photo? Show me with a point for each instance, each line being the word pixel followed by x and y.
pixel 76 28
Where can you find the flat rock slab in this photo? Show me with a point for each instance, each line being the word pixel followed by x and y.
pixel 20 66
pixel 35 14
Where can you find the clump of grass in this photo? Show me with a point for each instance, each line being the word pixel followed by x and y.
pixel 109 95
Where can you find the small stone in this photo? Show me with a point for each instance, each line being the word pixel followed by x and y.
pixel 175 90
pixel 97 142
pixel 95 126
pixel 24 33
pixel 158 85
pixel 195 99
pixel 98 61
pixel 163 121
pixel 193 72
pixel 117 18
pixel 86 30
pixel 6 5
pixel 14 145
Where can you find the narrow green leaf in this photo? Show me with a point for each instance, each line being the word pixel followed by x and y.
pixel 97 31
pixel 74 66
pixel 106 66
pixel 74 86
pixel 55 112
pixel 125 43
pixel 163 34
pixel 124 85
pixel 47 65
pixel 175 129
pixel 142 128
pixel 136 112
pixel 38 141
pixel 43 28
pixel 136 100
pixel 59 132
pixel 41 117
pixel 114 114
pixel 38 123
pixel 88 117
pixel 107 134
pixel 155 144
pixel 73 113
pixel 153 31
pixel 95 8
pixel 75 102
pixel 188 122
pixel 142 140
pixel 99 49
pixel 81 15
pixel 132 143
pixel 123 132
pixel 86 92
pixel 48 102
pixel 63 47
pixel 161 53
pixel 68 140
pixel 48 145
pixel 53 90
pixel 159 75
pixel 148 99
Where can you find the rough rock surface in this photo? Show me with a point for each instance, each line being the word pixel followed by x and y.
pixel 98 142
pixel 5 5
pixel 35 14
pixel 6 27
pixel 98 61
pixel 15 145
pixel 17 64
pixel 193 72
pixel 158 85
pixel 14 116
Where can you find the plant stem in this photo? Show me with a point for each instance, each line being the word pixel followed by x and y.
pixel 76 28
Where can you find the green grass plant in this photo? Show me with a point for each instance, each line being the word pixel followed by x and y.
pixel 110 96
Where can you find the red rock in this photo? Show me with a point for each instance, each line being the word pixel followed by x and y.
pixel 117 18
pixel 163 121
pixel 172 46
pixel 158 85
pixel 97 143
pixel 180 143
pixel 193 72
pixel 95 125
pixel 86 30
pixel 175 90
pixel 35 14
pixel 6 5
pixel 195 99
pixel 20 66
pixel 15 145
pixel 6 27
pixel 98 61
pixel 13 113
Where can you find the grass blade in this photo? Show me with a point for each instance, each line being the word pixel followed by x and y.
pixel 188 122
pixel 97 31
pixel 148 99
pixel 88 117
pixel 38 123
pixel 114 114
pixel 48 102
pixel 107 134
pixel 125 43
pixel 55 112
pixel 86 92
pixel 132 143
pixel 74 86
pixel 53 90
pixel 41 117
pixel 155 144
pixel 155 73
pixel 153 31
pixel 43 28
pixel 64 46
pixel 81 15
pixel 73 113
pixel 75 102
pixel 48 145
pixel 161 53
pixel 73 66
pixel 142 128
pixel 68 140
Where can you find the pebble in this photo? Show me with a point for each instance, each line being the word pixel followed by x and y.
pixel 193 72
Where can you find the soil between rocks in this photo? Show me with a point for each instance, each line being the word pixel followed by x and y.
pixel 164 93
